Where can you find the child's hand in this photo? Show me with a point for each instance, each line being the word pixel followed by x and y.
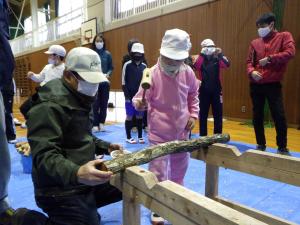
pixel 141 104
pixel 190 124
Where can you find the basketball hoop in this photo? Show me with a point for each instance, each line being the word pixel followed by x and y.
pixel 88 39
pixel 88 31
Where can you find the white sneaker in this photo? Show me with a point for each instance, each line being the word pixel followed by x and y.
pixel 95 129
pixel 14 141
pixel 101 127
pixel 131 141
pixel 156 219
pixel 141 140
pixel 23 125
pixel 17 122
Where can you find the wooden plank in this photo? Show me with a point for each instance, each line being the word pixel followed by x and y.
pixel 211 181
pixel 264 164
pixel 149 180
pixel 187 204
pixel 165 211
pixel 265 217
pixel 131 207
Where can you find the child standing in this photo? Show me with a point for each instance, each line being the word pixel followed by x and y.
pixel 132 74
pixel 209 64
pixel 173 105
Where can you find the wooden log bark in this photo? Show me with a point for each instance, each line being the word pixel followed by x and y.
pixel 148 154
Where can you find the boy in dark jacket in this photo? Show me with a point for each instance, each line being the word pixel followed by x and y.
pixel 132 73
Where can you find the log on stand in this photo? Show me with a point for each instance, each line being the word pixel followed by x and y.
pixel 148 154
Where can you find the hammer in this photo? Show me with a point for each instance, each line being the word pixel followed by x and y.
pixel 146 81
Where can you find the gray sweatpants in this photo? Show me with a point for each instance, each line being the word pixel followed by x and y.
pixel 4 161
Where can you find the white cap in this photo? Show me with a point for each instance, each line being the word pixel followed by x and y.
pixel 86 63
pixel 207 43
pixel 57 50
pixel 137 47
pixel 175 44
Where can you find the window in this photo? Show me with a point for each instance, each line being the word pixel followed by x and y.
pixel 28 22
pixel 71 16
pixel 121 9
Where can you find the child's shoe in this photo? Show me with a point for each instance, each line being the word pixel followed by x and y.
pixel 156 219
pixel 141 141
pixel 101 127
pixel 131 141
pixel 95 129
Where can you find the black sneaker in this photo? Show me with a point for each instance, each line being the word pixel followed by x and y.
pixel 283 151
pixel 261 147
pixel 6 217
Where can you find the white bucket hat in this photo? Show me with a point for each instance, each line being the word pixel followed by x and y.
pixel 86 63
pixel 207 43
pixel 175 44
pixel 137 47
pixel 57 50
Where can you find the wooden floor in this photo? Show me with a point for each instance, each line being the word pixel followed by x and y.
pixel 238 131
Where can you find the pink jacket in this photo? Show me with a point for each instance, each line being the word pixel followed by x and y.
pixel 171 102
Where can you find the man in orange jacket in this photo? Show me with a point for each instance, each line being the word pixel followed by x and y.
pixel 266 63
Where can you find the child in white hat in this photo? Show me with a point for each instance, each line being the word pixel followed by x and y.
pixel 172 104
pixel 54 68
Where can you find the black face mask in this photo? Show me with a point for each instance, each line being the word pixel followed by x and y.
pixel 137 58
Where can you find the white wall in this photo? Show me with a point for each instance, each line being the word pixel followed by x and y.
pixel 95 9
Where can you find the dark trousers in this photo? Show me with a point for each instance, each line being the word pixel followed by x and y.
pixel 273 94
pixel 215 100
pixel 8 100
pixel 76 209
pixel 100 104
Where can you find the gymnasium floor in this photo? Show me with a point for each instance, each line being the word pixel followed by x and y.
pixel 276 198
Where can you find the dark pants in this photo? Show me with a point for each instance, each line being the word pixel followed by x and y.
pixel 8 100
pixel 76 209
pixel 100 105
pixel 215 100
pixel 273 94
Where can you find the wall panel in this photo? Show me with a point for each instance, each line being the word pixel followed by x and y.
pixel 231 24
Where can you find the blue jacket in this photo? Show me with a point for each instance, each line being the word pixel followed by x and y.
pixel 7 62
pixel 106 61
pixel 131 78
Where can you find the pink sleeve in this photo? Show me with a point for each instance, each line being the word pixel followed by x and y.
pixel 193 99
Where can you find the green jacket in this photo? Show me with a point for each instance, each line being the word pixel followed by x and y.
pixel 59 133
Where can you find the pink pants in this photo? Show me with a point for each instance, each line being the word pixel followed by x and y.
pixel 170 167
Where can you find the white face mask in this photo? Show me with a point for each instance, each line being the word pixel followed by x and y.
pixel 99 45
pixel 208 50
pixel 171 70
pixel 51 61
pixel 264 31
pixel 87 88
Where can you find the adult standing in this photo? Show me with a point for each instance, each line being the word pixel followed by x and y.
pixel 7 64
pixel 100 105
pixel 267 61
pixel 209 64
